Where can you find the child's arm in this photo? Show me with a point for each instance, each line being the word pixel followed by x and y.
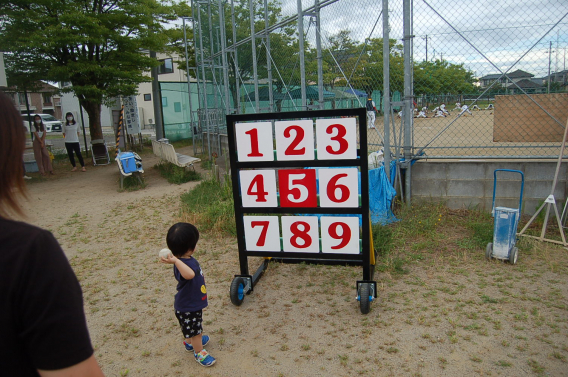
pixel 186 272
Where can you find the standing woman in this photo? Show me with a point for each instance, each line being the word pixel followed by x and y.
pixel 40 150
pixel 71 135
pixel 43 331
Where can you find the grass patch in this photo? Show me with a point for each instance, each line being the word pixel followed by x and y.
pixel 210 207
pixel 175 174
pixel 131 183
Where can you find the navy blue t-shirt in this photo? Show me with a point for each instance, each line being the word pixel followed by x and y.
pixel 191 294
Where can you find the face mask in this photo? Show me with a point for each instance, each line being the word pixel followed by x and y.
pixel 69 119
pixel 38 121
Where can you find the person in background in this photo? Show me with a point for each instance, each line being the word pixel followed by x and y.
pixel 371 109
pixel 71 135
pixel 43 331
pixel 40 150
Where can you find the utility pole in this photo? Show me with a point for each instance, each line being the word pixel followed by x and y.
pixel 426 37
pixel 157 100
pixel 549 60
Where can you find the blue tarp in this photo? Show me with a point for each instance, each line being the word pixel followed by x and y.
pixel 381 195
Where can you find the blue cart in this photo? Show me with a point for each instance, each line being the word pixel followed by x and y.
pixel 505 223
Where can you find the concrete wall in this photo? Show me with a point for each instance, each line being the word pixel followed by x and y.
pixel 470 183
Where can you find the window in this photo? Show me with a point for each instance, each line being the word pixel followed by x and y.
pixel 166 67
pixel 46 98
pixel 164 101
pixel 177 107
pixel 22 98
pixel 147 97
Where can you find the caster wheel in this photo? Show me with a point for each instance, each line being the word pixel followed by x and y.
pixel 238 291
pixel 513 255
pixel 489 251
pixel 364 298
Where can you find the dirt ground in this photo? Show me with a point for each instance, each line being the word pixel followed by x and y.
pixel 468 135
pixel 452 314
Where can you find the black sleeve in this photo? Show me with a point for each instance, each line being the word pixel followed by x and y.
pixel 51 307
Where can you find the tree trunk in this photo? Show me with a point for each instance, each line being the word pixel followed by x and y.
pixel 93 109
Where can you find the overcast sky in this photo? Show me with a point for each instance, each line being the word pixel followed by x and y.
pixel 502 30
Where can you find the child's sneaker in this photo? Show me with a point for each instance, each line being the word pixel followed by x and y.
pixel 189 347
pixel 204 358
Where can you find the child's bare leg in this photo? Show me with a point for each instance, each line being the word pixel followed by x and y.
pixel 196 342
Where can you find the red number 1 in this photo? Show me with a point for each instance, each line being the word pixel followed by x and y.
pixel 253 133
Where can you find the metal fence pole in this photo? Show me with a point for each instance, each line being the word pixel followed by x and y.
pixel 268 62
pixel 408 95
pixel 319 56
pixel 386 85
pixel 224 56
pixel 302 61
pixel 236 59
pixel 254 67
pixel 205 106
pixel 188 85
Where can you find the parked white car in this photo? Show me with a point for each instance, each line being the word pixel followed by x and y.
pixel 50 122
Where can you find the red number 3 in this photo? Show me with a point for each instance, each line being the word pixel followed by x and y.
pixel 340 138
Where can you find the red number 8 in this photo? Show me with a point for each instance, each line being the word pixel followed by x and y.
pixel 303 234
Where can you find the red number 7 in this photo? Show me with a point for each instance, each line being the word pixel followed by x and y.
pixel 264 225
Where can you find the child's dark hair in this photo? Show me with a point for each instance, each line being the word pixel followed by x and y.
pixel 181 238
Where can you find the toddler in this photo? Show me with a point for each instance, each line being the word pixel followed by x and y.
pixel 191 296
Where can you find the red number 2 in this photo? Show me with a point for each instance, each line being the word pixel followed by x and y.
pixel 345 236
pixel 302 234
pixel 341 132
pixel 291 150
pixel 264 224
pixel 253 133
pixel 260 194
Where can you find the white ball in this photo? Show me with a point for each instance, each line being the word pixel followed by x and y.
pixel 164 253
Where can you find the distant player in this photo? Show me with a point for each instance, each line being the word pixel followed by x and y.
pixel 465 109
pixel 443 109
pixel 421 114
pixel 439 114
pixel 475 107
pixel 490 107
pixel 371 109
pixel 399 114
pixel 425 109
pixel 458 106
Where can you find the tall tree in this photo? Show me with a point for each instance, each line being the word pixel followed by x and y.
pixel 99 46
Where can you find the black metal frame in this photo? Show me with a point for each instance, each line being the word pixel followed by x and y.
pixel 363 209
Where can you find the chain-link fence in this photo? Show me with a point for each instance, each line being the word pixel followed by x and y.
pixel 481 79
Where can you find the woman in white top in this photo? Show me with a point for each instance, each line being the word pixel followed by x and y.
pixel 40 150
pixel 71 135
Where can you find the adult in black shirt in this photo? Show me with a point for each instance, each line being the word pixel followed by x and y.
pixel 42 323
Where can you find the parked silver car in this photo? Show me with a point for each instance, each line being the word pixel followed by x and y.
pixel 50 122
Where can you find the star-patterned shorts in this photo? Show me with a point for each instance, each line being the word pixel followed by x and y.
pixel 191 323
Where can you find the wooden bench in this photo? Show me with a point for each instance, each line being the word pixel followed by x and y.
pixel 167 152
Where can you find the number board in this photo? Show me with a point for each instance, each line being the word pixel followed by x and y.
pixel 297 186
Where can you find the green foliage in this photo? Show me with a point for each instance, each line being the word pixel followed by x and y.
pixel 440 76
pixel 210 207
pixel 175 174
pixel 98 47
